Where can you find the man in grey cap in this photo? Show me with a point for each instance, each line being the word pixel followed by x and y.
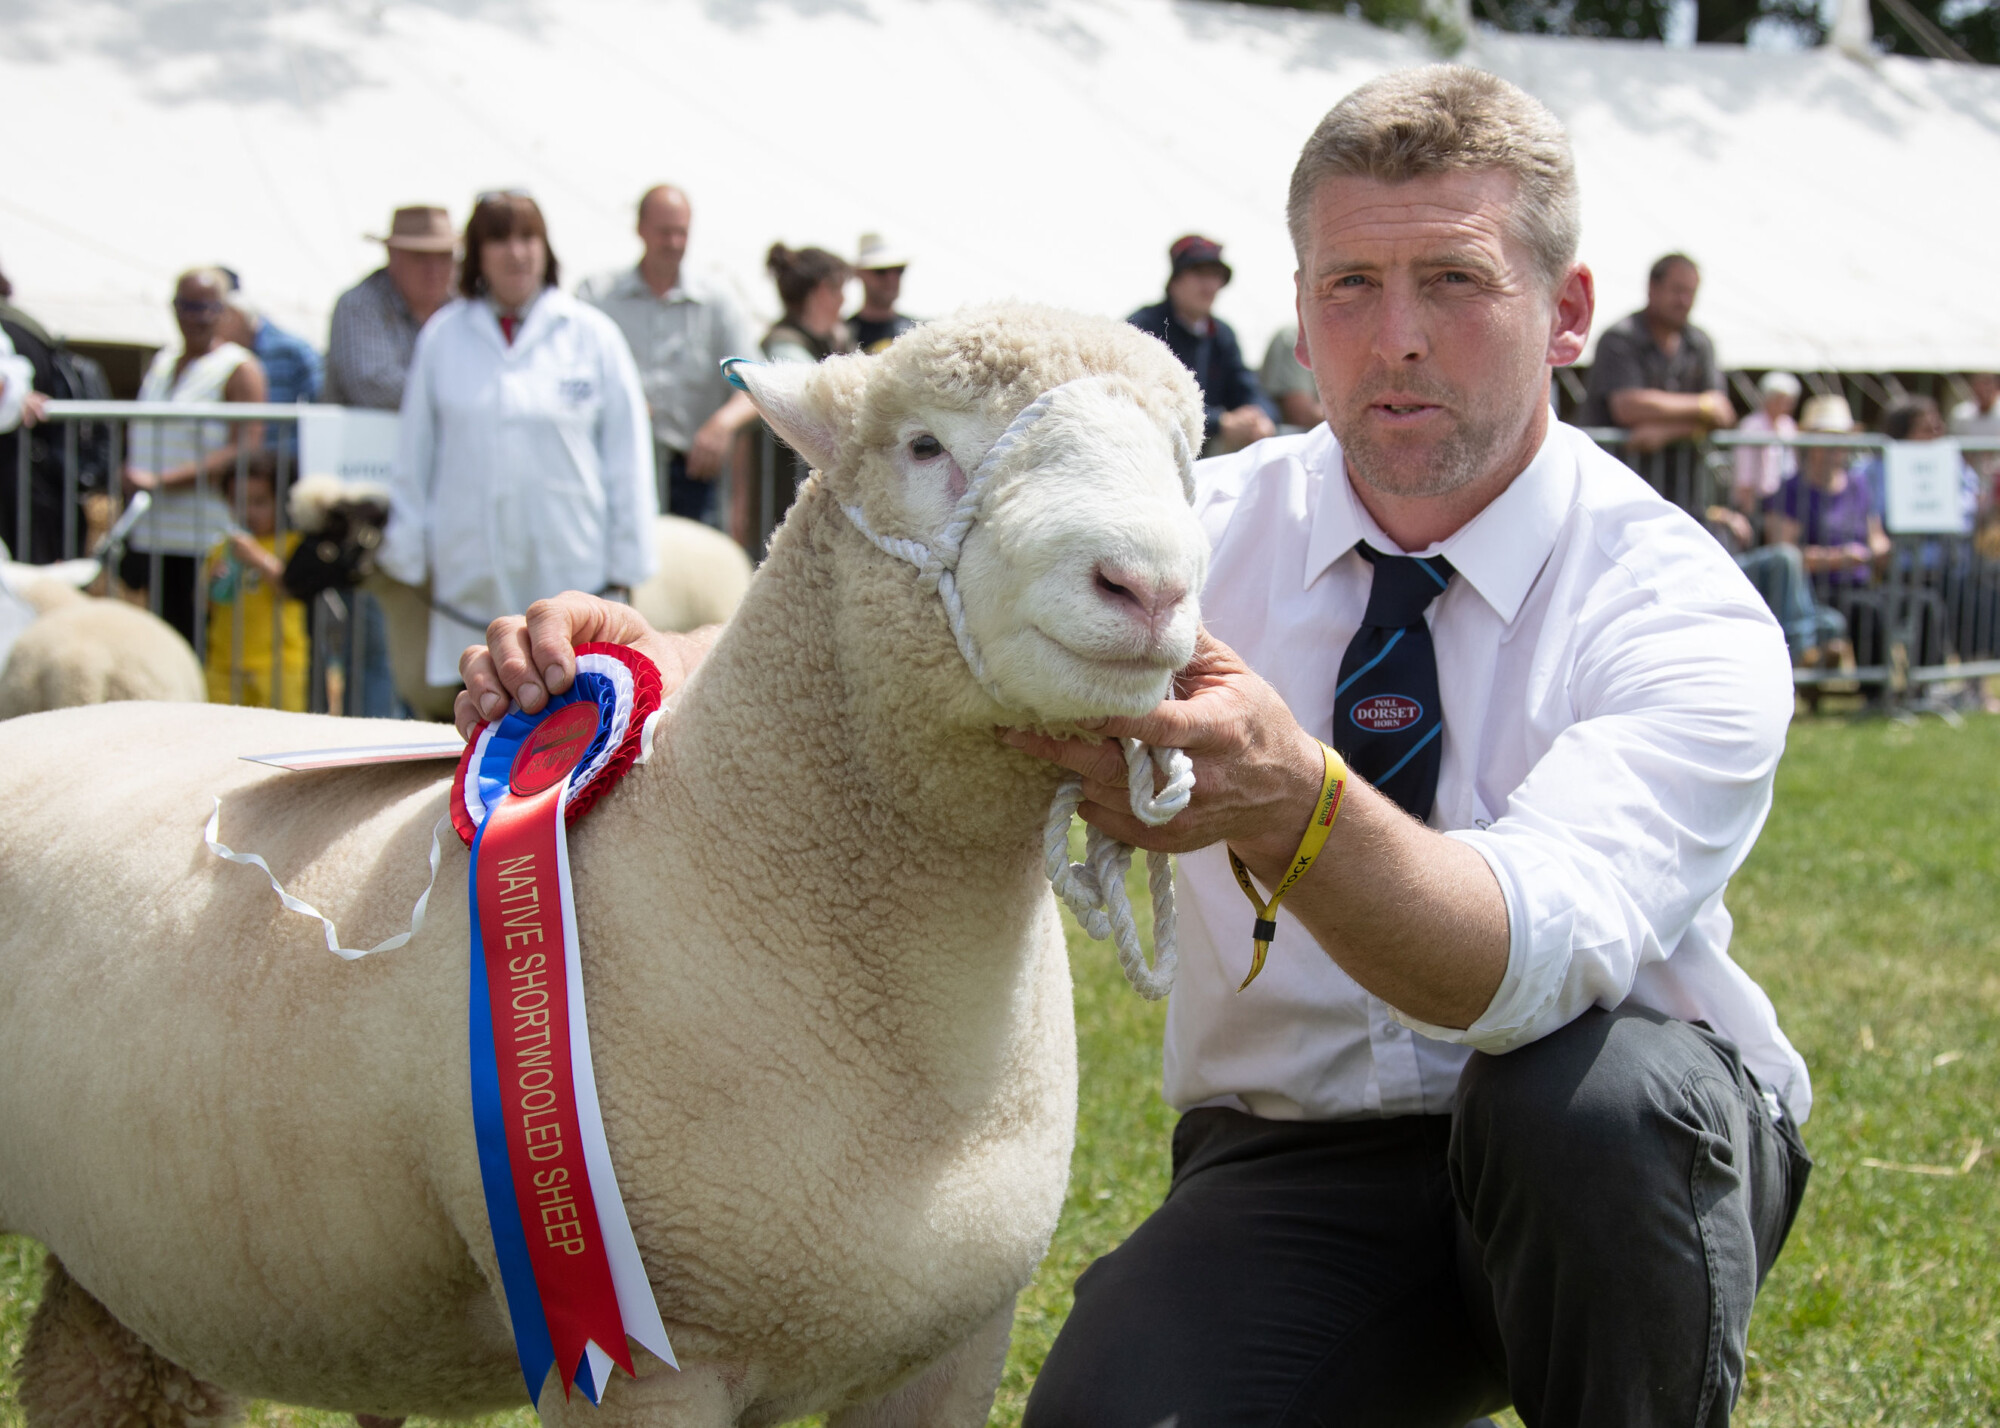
pixel 879 265
pixel 375 323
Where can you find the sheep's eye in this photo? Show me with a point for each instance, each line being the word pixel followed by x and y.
pixel 926 447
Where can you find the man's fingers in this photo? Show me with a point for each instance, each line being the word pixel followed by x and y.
pixel 528 658
pixel 550 634
pixel 465 714
pixel 1173 725
pixel 515 668
pixel 1101 762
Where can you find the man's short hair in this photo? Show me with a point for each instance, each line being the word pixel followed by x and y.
pixel 209 276
pixel 1657 274
pixel 1446 118
pixel 659 190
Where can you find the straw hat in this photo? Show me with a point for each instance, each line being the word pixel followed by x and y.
pixel 878 252
pixel 1827 414
pixel 421 228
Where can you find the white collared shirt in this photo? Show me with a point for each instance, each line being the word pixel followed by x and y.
pixel 1615 698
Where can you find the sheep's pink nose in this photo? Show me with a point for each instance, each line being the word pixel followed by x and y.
pixel 1153 600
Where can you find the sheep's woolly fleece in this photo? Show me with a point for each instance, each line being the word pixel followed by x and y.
pixel 828 993
pixel 85 651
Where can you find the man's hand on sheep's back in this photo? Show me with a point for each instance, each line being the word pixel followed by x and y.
pixel 1257 773
pixel 529 657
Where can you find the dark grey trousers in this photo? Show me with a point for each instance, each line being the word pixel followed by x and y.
pixel 1584 1237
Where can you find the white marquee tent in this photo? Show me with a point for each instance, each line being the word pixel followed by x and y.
pixel 1844 211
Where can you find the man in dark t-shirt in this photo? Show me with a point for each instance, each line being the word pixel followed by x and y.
pixel 879 265
pixel 1655 374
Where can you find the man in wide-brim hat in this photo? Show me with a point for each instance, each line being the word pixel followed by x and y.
pixel 375 323
pixel 879 264
pixel 368 351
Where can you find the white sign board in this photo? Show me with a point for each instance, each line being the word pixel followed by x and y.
pixel 353 443
pixel 1925 493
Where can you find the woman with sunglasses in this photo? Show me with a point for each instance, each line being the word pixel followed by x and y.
pixel 525 465
pixel 184 465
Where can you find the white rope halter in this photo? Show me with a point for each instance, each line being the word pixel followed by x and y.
pixel 1095 889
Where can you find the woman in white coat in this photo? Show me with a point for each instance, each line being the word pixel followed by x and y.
pixel 525 465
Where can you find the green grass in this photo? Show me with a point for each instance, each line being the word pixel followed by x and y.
pixel 1868 913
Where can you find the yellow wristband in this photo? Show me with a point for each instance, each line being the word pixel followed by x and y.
pixel 1332 786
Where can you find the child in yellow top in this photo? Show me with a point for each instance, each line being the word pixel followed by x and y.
pixel 245 574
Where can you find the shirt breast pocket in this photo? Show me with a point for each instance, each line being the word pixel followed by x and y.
pixel 578 393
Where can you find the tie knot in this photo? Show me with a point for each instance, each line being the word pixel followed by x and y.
pixel 1403 587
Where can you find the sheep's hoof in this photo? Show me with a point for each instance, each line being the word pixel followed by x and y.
pixel 376 1420
pixel 81 1368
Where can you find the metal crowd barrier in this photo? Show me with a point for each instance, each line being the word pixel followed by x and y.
pixel 759 485
pixel 66 500
pixel 1923 617
pixel 83 511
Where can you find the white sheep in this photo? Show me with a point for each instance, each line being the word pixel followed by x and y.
pixel 828 993
pixel 699 580
pixel 80 650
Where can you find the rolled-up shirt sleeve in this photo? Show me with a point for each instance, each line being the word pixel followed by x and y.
pixel 1638 813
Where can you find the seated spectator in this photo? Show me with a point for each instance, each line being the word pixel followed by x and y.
pixel 375 322
pixel 1814 633
pixel 1936 573
pixel 812 284
pixel 1289 382
pixel 1236 410
pixel 1918 419
pixel 1761 470
pixel 879 265
pixel 182 464
pixel 1830 513
pixel 246 573
pixel 525 459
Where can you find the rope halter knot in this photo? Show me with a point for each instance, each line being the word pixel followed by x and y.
pixel 1093 890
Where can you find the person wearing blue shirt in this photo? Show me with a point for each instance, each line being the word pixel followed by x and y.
pixel 292 365
pixel 1236 411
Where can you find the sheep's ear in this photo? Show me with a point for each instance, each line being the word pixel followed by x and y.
pixel 810 404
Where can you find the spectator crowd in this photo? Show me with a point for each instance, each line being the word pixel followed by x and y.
pixel 543 432
pixel 1807 522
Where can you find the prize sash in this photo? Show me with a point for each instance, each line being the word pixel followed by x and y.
pixel 576 1288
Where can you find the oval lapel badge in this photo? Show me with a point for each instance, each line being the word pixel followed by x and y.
pixel 1386 713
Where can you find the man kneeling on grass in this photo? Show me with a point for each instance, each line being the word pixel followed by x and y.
pixel 1502 1121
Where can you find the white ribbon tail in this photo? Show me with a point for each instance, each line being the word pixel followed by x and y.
pixel 636 1305
pixel 306 909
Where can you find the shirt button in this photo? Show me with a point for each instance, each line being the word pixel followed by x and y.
pixel 1393 1029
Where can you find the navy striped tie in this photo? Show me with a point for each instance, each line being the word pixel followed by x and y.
pixel 1386 719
